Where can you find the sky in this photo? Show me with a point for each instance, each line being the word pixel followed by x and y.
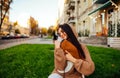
pixel 45 11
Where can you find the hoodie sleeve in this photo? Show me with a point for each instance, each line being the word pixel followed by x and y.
pixel 86 66
pixel 59 59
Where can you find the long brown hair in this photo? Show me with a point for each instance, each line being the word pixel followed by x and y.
pixel 72 38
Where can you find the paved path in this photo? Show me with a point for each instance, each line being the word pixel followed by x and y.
pixel 29 41
pixel 37 41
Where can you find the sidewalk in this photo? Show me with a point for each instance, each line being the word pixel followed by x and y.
pixel 37 40
pixel 15 40
pixel 98 45
pixel 12 42
pixel 34 40
pixel 7 45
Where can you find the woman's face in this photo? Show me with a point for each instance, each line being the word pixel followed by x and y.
pixel 62 34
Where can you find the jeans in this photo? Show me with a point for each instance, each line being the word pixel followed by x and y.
pixel 55 75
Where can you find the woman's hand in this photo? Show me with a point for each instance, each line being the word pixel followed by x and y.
pixel 57 44
pixel 70 57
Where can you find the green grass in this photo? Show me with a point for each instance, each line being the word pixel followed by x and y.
pixel 37 61
pixel 107 62
pixel 26 61
pixel 48 37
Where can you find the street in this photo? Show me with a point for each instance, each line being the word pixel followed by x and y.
pixel 27 41
pixel 36 40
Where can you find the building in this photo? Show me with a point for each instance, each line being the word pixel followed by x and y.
pixel 103 14
pixel 92 17
pixel 22 30
pixel 69 13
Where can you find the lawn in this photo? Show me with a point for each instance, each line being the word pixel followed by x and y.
pixel 36 61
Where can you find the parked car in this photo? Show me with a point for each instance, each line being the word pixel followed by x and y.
pixel 8 36
pixel 17 36
pixel 24 36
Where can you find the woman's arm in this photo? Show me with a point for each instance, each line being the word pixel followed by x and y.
pixel 86 66
pixel 59 57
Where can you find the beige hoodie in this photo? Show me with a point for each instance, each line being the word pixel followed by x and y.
pixel 80 67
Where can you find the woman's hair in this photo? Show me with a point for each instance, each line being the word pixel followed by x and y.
pixel 72 38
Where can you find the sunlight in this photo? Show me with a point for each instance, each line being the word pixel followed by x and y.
pixel 22 19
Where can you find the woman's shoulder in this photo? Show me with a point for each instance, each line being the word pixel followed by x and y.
pixel 82 44
pixel 84 47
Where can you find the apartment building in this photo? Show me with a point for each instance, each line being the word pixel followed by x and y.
pixel 92 17
pixel 103 13
pixel 69 13
pixel 22 30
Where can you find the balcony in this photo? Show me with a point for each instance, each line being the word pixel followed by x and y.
pixel 78 1
pixel 68 12
pixel 71 20
pixel 72 5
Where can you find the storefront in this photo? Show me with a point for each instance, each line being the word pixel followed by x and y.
pixel 99 18
pixel 114 26
pixel 114 22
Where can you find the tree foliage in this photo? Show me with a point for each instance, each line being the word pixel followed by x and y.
pixel 17 31
pixel 4 7
pixel 50 30
pixel 34 26
pixel 15 23
pixel 44 31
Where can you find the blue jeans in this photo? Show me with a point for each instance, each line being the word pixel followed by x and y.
pixel 55 75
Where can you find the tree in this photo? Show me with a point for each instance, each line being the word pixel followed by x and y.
pixel 15 23
pixel 17 31
pixel 50 30
pixel 44 31
pixel 4 7
pixel 33 25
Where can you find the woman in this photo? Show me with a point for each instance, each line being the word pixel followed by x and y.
pixel 73 62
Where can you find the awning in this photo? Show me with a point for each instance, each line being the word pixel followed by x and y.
pixel 100 1
pixel 108 3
